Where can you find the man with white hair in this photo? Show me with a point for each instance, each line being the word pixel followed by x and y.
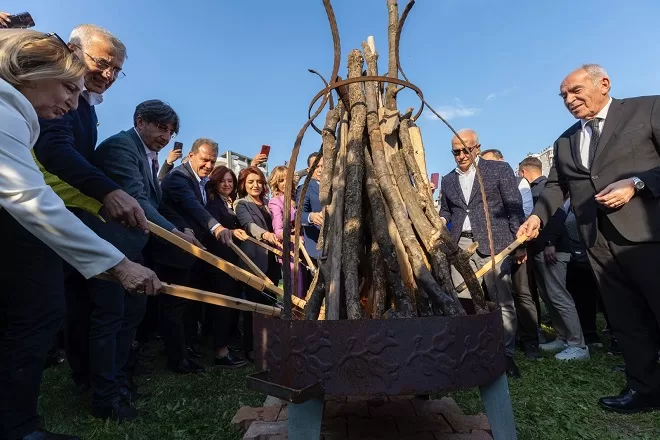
pixel 609 164
pixel 98 336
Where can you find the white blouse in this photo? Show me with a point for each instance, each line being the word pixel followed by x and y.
pixel 25 195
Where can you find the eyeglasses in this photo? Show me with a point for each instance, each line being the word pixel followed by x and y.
pixel 53 34
pixel 104 65
pixel 165 128
pixel 465 151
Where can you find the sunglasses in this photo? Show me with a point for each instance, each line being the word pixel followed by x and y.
pixel 465 151
pixel 53 34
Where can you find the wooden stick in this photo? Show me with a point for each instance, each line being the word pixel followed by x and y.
pixel 274 250
pixel 310 263
pixel 210 298
pixel 251 264
pixel 499 257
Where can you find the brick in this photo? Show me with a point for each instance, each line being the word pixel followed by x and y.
pixel 464 423
pixel 247 415
pixel 284 414
pixel 371 400
pixel 417 424
pixel 272 401
pixel 337 409
pixel 401 408
pixel 446 405
pixel 474 435
pixel 267 431
pixel 376 428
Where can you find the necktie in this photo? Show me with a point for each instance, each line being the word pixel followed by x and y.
pixel 154 168
pixel 595 137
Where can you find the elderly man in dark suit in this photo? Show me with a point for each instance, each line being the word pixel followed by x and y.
pixel 463 207
pixel 183 203
pixel 609 163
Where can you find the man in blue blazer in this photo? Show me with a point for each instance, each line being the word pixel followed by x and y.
pixel 311 209
pixel 462 205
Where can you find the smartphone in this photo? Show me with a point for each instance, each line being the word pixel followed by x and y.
pixel 435 177
pixel 22 20
pixel 178 146
pixel 265 149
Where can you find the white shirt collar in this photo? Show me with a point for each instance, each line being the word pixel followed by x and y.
pixel 91 97
pixel 199 179
pixel 469 170
pixel 602 114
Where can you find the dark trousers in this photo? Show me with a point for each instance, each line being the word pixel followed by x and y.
pixel 31 312
pixel 274 272
pixel 224 319
pixel 525 305
pixel 178 317
pixel 628 279
pixel 582 286
pixel 100 327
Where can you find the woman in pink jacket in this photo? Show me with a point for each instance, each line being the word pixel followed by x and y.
pixel 277 183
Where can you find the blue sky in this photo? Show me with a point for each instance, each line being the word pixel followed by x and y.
pixel 236 71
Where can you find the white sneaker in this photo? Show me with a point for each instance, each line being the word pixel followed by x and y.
pixel 556 345
pixel 573 354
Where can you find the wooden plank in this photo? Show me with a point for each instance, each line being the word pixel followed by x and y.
pixel 251 264
pixel 418 149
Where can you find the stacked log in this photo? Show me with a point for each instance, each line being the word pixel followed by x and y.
pixel 385 251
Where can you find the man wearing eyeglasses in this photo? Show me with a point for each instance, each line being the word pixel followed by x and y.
pixel 95 312
pixel 463 207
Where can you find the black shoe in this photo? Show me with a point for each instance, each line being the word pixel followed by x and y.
pixel 512 370
pixel 194 352
pixel 630 402
pixel 249 356
pixel 119 411
pixel 233 349
pixel 55 358
pixel 619 368
pixel 131 395
pixel 186 366
pixel 230 362
pixel 614 348
pixel 45 435
pixel 532 352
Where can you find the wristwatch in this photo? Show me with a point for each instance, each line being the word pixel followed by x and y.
pixel 639 185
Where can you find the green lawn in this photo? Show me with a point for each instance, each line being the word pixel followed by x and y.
pixel 551 401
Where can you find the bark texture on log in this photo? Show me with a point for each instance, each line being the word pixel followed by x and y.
pixel 315 300
pixel 378 281
pixel 403 300
pixel 421 183
pixel 392 68
pixel 330 149
pixel 353 199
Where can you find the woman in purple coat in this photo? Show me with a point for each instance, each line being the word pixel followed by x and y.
pixel 277 183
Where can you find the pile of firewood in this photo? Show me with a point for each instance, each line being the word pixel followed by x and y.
pixel 385 250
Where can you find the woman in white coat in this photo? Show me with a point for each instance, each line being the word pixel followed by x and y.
pixel 39 76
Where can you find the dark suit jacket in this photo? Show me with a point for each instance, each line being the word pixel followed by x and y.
pixel 310 204
pixel 227 218
pixel 253 222
pixel 629 146
pixel 504 202
pixel 123 159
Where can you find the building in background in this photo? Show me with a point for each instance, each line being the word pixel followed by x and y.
pixel 237 162
pixel 546 157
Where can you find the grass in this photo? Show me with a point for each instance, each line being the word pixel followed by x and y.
pixel 552 401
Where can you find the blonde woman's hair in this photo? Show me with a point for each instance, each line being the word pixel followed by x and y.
pixel 27 55
pixel 274 179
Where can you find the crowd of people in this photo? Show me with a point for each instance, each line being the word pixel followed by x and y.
pixel 74 208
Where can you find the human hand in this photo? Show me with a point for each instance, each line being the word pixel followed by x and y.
pixel 125 209
pixel 4 19
pixel 223 235
pixel 316 218
pixel 258 159
pixel 271 238
pixel 136 278
pixel 616 194
pixel 550 255
pixel 520 255
pixel 240 234
pixel 173 156
pixel 189 236
pixel 530 228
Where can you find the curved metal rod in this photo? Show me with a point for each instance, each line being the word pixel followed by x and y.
pixel 292 165
pixel 332 102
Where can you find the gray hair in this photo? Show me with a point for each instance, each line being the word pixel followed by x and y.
pixel 83 34
pixel 596 72
pixel 204 141
pixel 496 153
pixel 469 132
pixel 157 112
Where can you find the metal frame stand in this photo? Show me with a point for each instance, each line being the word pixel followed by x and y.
pixel 497 402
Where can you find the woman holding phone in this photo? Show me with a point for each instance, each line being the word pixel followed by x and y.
pixel 39 76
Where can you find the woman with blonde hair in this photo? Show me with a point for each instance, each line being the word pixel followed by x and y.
pixel 277 183
pixel 39 77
